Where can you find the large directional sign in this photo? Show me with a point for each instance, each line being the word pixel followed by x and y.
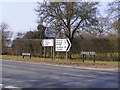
pixel 62 45
pixel 47 42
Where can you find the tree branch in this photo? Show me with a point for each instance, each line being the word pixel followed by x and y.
pixel 76 28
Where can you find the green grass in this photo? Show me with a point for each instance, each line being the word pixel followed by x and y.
pixel 99 56
pixel 113 63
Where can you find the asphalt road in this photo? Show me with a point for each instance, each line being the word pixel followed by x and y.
pixel 26 75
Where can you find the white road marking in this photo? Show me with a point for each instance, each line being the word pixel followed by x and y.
pixel 10 87
pixel 1 85
pixel 78 75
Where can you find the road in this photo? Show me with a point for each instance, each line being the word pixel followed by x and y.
pixel 28 75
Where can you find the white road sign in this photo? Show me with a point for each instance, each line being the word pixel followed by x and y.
pixel 47 42
pixel 25 54
pixel 62 45
pixel 92 53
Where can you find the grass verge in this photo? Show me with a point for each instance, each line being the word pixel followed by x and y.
pixel 74 63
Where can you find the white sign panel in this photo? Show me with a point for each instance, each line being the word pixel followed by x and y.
pixel 88 53
pixel 47 42
pixel 25 54
pixel 62 45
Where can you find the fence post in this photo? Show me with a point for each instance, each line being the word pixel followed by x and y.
pixel 83 58
pixel 23 56
pixel 94 58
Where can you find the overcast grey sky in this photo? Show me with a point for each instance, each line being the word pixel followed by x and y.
pixel 21 17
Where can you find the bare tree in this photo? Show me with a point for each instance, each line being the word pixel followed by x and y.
pixel 6 36
pixel 114 14
pixel 67 17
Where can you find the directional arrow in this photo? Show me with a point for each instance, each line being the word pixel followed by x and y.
pixel 69 46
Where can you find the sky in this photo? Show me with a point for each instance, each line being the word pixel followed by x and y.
pixel 21 17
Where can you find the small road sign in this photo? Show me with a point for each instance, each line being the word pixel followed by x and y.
pixel 47 42
pixel 92 53
pixel 26 54
pixel 62 45
pixel 86 53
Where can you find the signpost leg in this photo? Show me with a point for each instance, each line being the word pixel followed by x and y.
pixel 66 56
pixel 51 52
pixel 44 52
pixel 83 58
pixel 94 58
pixel 53 49
pixel 57 55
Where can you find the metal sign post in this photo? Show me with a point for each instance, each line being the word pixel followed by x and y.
pixel 44 52
pixel 86 53
pixel 53 49
pixel 66 56
pixel 51 52
pixel 47 43
pixel 83 58
pixel 26 54
pixel 62 45
pixel 94 57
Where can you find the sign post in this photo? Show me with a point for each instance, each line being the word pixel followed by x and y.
pixel 62 45
pixel 47 43
pixel 83 58
pixel 44 52
pixel 26 54
pixel 66 56
pixel 53 52
pixel 86 53
pixel 94 57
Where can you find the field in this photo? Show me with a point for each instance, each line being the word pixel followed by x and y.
pixel 74 63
